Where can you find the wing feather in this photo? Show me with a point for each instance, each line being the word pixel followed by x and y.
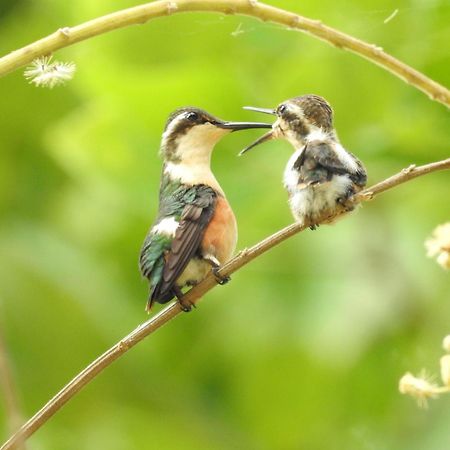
pixel 194 220
pixel 319 162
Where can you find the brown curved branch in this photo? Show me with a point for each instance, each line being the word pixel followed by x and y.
pixel 67 36
pixel 157 321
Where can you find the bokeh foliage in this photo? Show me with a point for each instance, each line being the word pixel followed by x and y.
pixel 304 348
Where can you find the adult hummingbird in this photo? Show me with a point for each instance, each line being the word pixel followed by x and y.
pixel 195 229
pixel 321 174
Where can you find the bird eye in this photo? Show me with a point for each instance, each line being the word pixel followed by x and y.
pixel 282 109
pixel 192 116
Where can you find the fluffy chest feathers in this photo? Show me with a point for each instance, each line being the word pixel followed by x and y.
pixel 317 177
pixel 308 203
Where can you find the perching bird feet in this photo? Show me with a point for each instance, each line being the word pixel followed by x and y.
pixel 215 269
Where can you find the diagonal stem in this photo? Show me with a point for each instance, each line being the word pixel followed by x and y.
pixel 9 392
pixel 168 313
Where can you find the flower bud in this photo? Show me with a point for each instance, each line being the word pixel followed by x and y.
pixel 445 370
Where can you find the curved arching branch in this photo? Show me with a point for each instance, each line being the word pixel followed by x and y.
pixel 168 313
pixel 140 14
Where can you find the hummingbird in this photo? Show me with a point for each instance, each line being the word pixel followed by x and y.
pixel 321 174
pixel 195 229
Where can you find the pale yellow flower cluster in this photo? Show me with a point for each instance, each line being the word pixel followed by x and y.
pixel 422 387
pixel 438 245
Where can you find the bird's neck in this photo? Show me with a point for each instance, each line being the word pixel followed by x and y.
pixel 298 140
pixel 193 169
pixel 319 134
pixel 189 159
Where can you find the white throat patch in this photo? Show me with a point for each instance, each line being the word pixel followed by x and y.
pixel 198 143
pixel 194 151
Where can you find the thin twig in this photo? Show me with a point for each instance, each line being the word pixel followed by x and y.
pixel 157 321
pixel 143 13
pixel 8 389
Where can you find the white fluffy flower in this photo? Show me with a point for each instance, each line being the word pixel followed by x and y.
pixel 421 388
pixel 45 73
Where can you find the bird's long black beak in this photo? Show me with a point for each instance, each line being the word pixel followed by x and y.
pixel 261 110
pixel 263 138
pixel 235 126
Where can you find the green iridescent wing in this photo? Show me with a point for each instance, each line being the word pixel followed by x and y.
pixel 196 216
pixel 151 260
pixel 155 246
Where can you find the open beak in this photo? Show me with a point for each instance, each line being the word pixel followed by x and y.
pixel 265 137
pixel 235 126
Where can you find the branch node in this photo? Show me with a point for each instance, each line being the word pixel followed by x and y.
pixel 366 196
pixel 409 169
pixel 123 346
pixel 253 3
pixel 229 11
pixel 377 50
pixel 295 21
pixel 243 252
pixel 171 7
pixel 65 31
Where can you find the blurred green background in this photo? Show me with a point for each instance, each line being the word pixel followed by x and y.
pixel 305 347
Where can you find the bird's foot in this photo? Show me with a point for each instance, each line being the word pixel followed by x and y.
pixel 185 305
pixel 221 279
pixel 215 264
pixel 343 200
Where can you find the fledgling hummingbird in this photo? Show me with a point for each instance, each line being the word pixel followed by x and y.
pixel 321 174
pixel 195 229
